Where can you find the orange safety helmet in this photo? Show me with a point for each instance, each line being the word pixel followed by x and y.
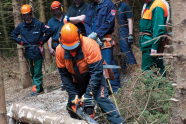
pixel 56 4
pixel 26 9
pixel 70 37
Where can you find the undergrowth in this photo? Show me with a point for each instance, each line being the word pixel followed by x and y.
pixel 146 98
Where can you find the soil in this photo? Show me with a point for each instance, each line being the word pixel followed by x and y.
pixel 53 99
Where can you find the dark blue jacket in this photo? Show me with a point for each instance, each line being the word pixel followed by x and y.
pixel 32 34
pixel 105 18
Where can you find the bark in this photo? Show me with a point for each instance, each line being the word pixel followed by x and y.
pixel 48 56
pixel 4 25
pixel 116 31
pixel 117 53
pixel 24 71
pixel 3 117
pixel 127 1
pixel 31 4
pixel 30 115
pixel 179 31
pixel 65 2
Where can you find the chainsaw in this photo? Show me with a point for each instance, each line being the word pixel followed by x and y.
pixel 85 110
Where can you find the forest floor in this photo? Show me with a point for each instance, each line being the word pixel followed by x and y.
pixel 53 99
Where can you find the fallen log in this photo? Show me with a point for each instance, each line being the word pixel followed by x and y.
pixel 22 112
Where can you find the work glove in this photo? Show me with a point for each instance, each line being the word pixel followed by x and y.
pixel 75 100
pixel 100 43
pixel 153 51
pixel 96 38
pixel 66 19
pixel 86 96
pixel 93 36
pixel 130 39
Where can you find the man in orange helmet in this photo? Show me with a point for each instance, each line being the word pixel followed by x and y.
pixel 80 66
pixel 56 23
pixel 31 32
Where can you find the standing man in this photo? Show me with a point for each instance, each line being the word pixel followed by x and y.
pixel 126 33
pixel 76 15
pixel 56 23
pixel 31 31
pixel 80 66
pixel 99 25
pixel 154 15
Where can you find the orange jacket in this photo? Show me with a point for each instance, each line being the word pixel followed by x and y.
pixel 147 14
pixel 85 66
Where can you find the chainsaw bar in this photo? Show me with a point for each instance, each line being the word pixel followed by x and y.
pixel 111 66
pixel 85 116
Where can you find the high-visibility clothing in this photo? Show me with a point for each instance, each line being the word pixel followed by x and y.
pixel 154 15
pixel 147 14
pixel 85 66
pixel 83 74
pixel 152 24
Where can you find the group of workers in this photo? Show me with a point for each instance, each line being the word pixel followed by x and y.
pixel 82 44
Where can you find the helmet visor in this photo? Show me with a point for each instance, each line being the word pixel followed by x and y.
pixel 66 47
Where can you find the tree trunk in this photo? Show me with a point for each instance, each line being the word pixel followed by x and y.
pixel 179 31
pixel 127 1
pixel 30 115
pixel 5 32
pixel 115 36
pixel 24 71
pixel 32 5
pixel 48 56
pixel 3 117
pixel 65 2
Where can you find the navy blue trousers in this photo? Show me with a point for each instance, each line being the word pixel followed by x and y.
pixel 103 102
pixel 125 48
pixel 107 54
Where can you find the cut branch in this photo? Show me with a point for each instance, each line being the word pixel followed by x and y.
pixel 164 54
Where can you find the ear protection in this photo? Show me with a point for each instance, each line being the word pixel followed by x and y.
pixel 61 8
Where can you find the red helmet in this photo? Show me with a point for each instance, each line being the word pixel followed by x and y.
pixel 55 5
pixel 70 37
pixel 26 9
